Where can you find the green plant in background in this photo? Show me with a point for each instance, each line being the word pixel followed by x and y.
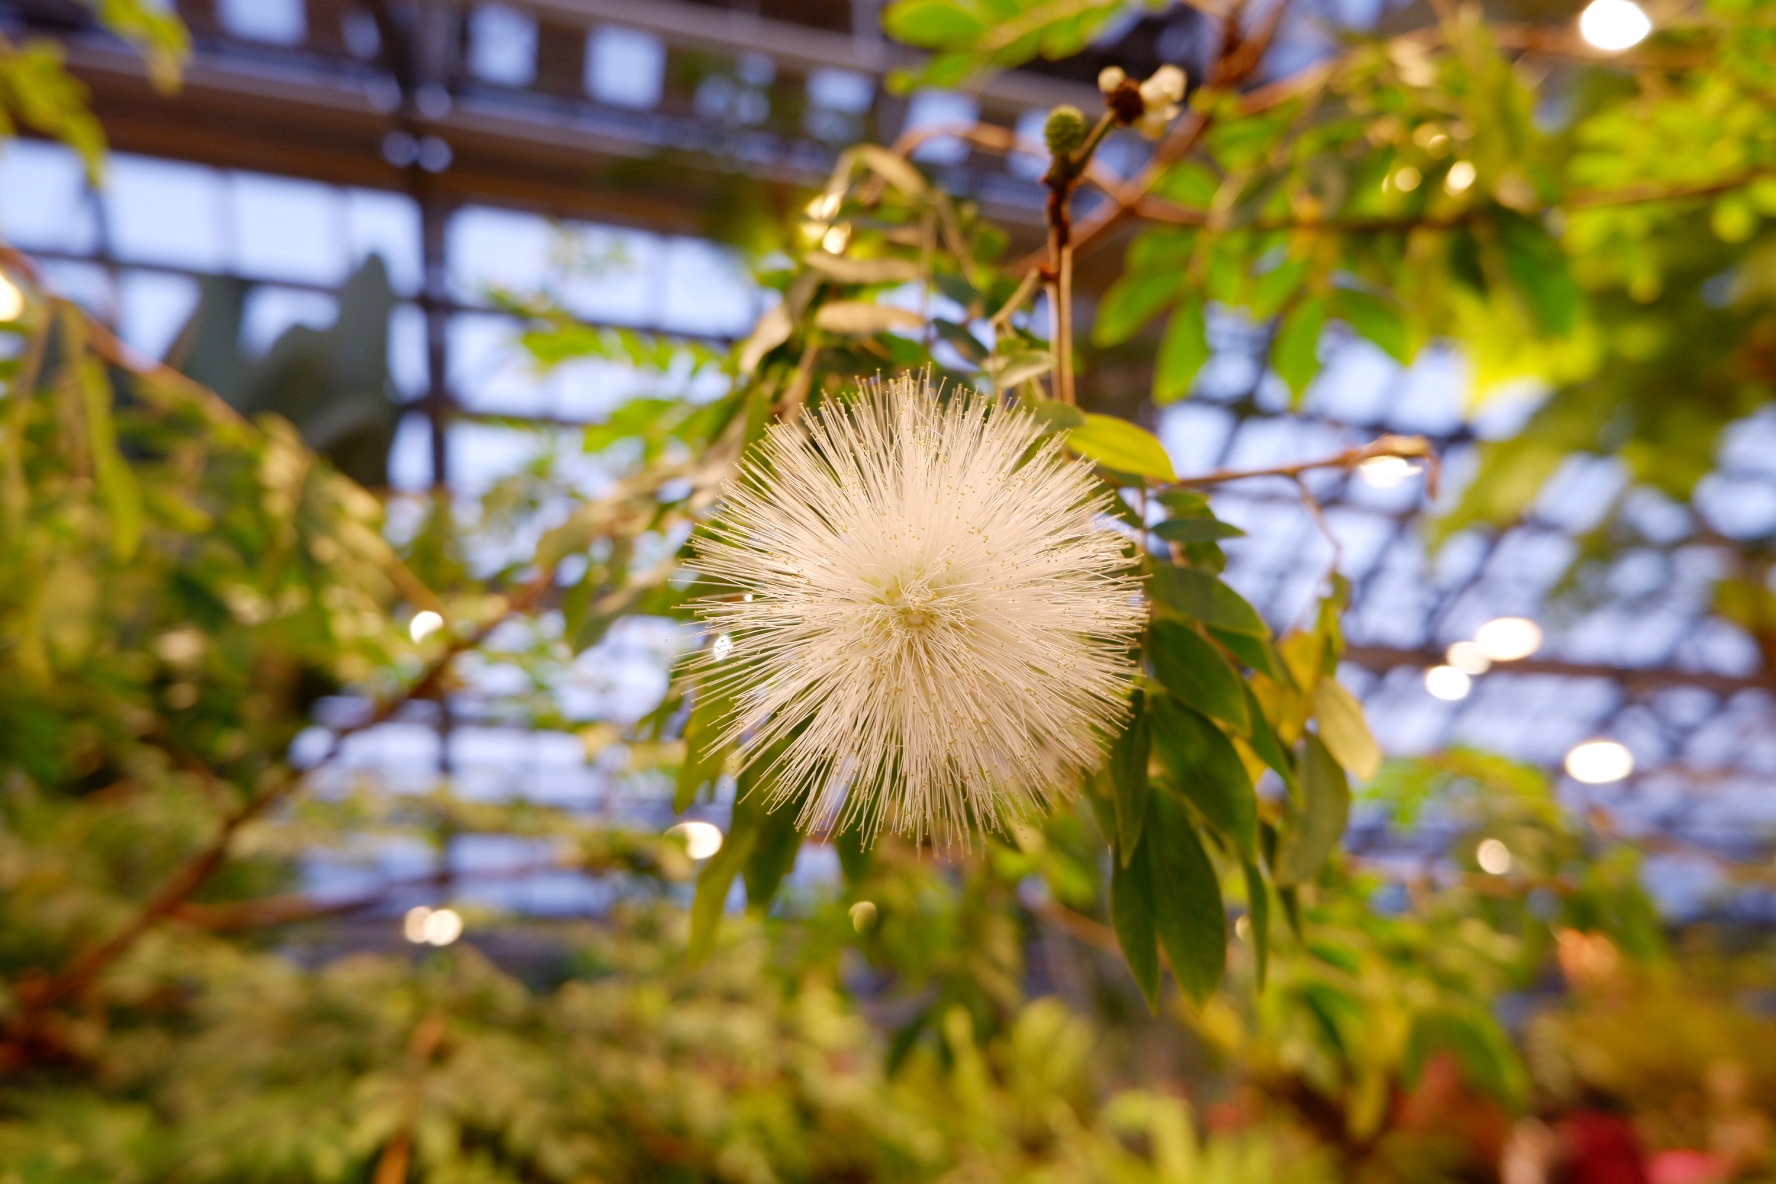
pixel 184 586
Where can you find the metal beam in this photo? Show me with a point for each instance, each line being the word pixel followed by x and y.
pixel 1381 658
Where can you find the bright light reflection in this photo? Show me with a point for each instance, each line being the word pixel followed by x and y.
pixel 1598 761
pixel 413 925
pixel 1468 657
pixel 824 206
pixel 701 839
pixel 1448 683
pixel 1614 25
pixel 442 927
pixel 1509 638
pixel 1461 175
pixel 1406 179
pixel 1493 857
pixel 724 645
pixel 834 240
pixel 424 624
pixel 1385 472
pixel 12 301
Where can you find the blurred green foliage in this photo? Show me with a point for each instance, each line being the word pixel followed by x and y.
pixel 185 592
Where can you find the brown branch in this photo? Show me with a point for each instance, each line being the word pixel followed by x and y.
pixel 1405 447
pixel 1236 61
pixel 80 974
pixel 422 1046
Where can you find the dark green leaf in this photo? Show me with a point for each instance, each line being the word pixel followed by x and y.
pixel 1196 673
pixel 1128 777
pixel 1257 652
pixel 1258 917
pixel 717 878
pixel 1131 916
pixel 705 756
pixel 1207 770
pixel 1196 530
pixel 774 851
pixel 1200 596
pixel 1187 911
pixel 855 859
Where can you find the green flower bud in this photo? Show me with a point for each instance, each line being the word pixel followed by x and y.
pixel 1066 130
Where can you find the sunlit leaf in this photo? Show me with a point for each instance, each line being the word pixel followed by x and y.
pixel 1344 730
pixel 1120 445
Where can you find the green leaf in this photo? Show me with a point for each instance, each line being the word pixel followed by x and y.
pixel 1131 917
pixel 1185 591
pixel 1258 916
pixel 1257 652
pixel 1295 354
pixel 705 756
pixel 1480 1046
pixel 1130 303
pixel 1208 771
pixel 1196 530
pixel 1376 319
pixel 855 859
pixel 774 851
pixel 1316 825
pixel 1120 445
pixel 964 342
pixel 1182 353
pixel 1059 416
pixel 113 476
pixel 1539 268
pixel 1007 372
pixel 1187 911
pixel 1264 742
pixel 1195 672
pixel 1344 730
pixel 713 885
pixel 931 24
pixel 1128 777
pixel 1185 503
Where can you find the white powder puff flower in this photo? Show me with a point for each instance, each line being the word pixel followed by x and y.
pixel 928 624
pixel 1161 94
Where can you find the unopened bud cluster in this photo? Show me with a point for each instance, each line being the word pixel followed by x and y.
pixel 1065 131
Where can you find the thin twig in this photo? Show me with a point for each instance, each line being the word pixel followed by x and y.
pixel 1405 447
pixel 1236 61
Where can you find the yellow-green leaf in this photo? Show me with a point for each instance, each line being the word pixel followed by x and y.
pixel 1120 445
pixel 1344 729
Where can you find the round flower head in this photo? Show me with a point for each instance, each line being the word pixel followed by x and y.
pixel 925 625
